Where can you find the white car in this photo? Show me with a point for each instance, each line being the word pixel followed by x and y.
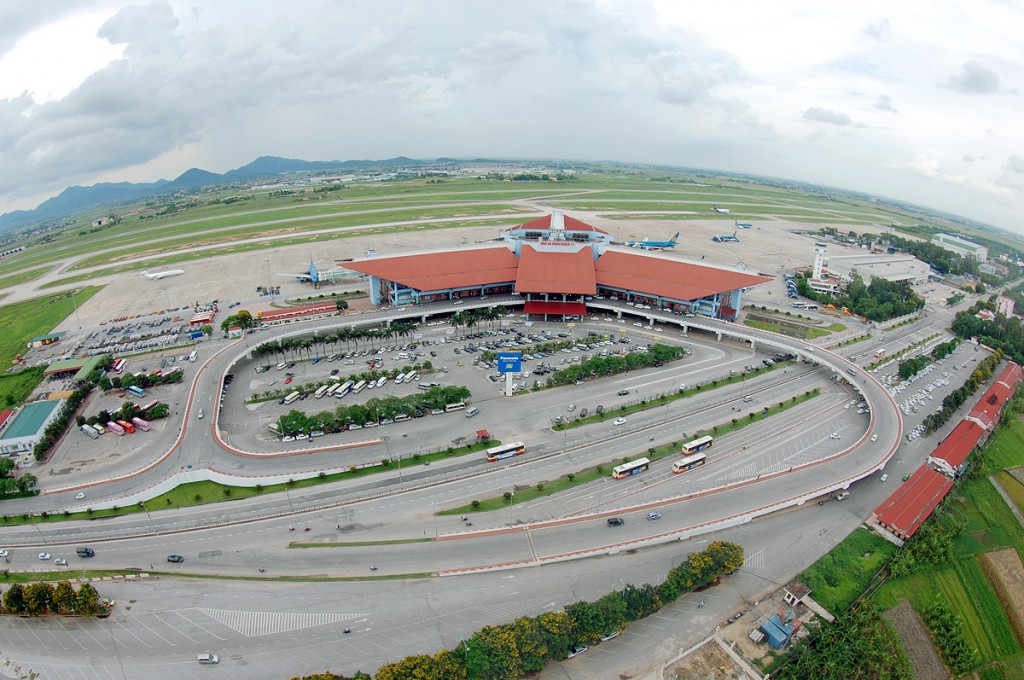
pixel 619 421
pixel 874 437
pixel 44 557
pixel 834 435
pixel 200 414
pixel 61 562
pixel 80 495
pixel 885 477
pixel 4 553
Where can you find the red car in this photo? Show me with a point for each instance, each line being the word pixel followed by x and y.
pixel 287 380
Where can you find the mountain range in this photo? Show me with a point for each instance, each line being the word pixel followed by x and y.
pixel 77 198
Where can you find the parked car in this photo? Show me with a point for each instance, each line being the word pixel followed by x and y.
pixel 576 650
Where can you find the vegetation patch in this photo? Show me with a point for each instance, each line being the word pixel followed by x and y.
pixel 841 575
pixel 38 316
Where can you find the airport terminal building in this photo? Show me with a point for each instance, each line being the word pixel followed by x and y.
pixel 556 263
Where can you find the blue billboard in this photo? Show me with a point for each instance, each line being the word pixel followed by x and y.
pixel 510 362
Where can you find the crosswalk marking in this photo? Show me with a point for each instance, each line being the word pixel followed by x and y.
pixel 254 624
pixel 756 560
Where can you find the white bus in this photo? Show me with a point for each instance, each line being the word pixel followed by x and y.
pixel 322 390
pixel 410 376
pixel 457 406
pixel 292 398
pixel 359 386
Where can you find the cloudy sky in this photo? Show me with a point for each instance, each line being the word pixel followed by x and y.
pixel 915 100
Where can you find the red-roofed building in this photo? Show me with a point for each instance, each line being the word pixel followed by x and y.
pixel 987 411
pixel 902 513
pixel 279 317
pixel 556 272
pixel 950 456
pixel 556 227
pixel 5 418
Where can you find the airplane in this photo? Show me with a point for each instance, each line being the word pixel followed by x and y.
pixel 655 245
pixel 745 225
pixel 314 275
pixel 156 276
pixel 726 238
pixel 724 211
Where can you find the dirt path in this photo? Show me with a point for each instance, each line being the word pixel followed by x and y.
pixel 917 642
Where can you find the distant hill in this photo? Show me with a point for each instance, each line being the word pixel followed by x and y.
pixel 76 198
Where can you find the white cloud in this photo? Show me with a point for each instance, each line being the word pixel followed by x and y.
pixel 1016 164
pixel 884 103
pixel 974 78
pixel 822 115
pixel 217 84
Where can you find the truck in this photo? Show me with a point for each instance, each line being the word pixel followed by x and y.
pixel 126 426
pixel 141 424
pixel 115 428
pixel 89 432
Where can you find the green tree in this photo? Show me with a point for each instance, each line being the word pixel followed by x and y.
pixel 87 601
pixel 14 599
pixel 64 597
pixel 38 598
pixel 207 330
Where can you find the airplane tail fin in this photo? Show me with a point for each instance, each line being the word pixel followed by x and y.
pixel 674 238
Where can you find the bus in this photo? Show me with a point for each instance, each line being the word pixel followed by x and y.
pixel 457 406
pixel 631 468
pixel 359 386
pixel 506 451
pixel 115 428
pixel 273 428
pixel 137 391
pixel 292 398
pixel 811 307
pixel 687 463
pixel 692 447
pixel 799 305
pixel 410 376
pixel 321 391
pixel 128 427
pixel 152 404
pixel 119 365
pixel 140 424
pixel 343 389
pixel 880 353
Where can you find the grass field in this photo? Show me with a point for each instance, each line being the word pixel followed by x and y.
pixel 15 387
pixel 840 576
pixel 38 316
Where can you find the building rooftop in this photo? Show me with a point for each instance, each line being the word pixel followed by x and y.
pixel 911 504
pixel 31 418
pixel 562 272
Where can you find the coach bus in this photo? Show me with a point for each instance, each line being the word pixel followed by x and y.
pixel 321 391
pixel 152 404
pixel 137 391
pixel 697 445
pixel 631 468
pixel 119 365
pixel 359 386
pixel 457 406
pixel 506 451
pixel 687 463
pixel 292 398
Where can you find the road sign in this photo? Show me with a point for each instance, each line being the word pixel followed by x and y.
pixel 510 362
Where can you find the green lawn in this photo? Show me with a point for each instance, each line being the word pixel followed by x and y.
pixel 38 316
